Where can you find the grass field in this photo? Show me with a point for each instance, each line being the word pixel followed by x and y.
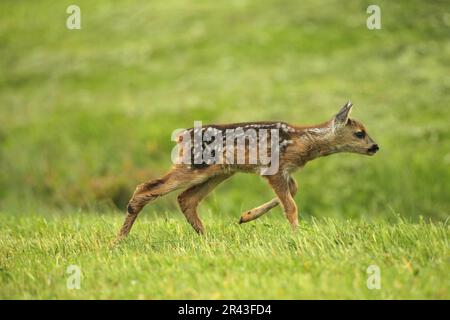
pixel 86 115
pixel 165 259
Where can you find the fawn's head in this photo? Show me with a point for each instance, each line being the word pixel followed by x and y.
pixel 350 135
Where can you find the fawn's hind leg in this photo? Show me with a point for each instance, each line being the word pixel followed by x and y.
pixel 266 207
pixel 179 177
pixel 190 198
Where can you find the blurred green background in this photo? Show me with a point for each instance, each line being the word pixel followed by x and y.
pixel 86 115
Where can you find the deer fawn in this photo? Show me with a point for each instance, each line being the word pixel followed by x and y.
pixel 294 147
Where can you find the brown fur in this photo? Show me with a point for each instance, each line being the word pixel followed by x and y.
pixel 303 145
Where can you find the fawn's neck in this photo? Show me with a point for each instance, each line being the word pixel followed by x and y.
pixel 317 141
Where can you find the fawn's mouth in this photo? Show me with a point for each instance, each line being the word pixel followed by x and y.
pixel 373 149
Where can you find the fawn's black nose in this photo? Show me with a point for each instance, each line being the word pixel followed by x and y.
pixel 374 148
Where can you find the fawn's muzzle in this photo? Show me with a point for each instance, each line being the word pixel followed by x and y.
pixel 373 149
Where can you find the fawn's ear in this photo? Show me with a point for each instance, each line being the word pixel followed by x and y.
pixel 341 118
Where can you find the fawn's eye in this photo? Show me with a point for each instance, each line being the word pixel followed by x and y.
pixel 360 134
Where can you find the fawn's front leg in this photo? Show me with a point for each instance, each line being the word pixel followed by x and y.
pixel 257 212
pixel 280 184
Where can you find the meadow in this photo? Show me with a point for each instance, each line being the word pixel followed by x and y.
pixel 86 115
pixel 165 259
